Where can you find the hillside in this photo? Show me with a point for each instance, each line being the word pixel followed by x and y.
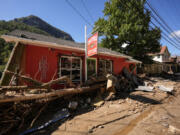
pixel 33 24
pixel 6 27
pixel 44 26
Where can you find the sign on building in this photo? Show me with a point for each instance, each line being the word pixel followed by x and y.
pixel 92 47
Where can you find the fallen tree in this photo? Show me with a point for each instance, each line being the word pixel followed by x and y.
pixel 58 93
pixel 25 78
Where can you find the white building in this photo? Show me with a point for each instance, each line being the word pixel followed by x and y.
pixel 163 55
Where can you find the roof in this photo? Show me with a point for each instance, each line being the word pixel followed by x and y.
pixel 133 60
pixel 163 49
pixel 49 41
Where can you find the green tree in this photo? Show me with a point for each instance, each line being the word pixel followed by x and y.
pixel 5 50
pixel 126 22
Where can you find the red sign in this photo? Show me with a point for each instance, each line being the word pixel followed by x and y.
pixel 92 45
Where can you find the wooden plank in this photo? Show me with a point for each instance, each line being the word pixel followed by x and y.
pixel 13 63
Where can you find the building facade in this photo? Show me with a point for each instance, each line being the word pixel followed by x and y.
pixel 46 58
pixel 163 55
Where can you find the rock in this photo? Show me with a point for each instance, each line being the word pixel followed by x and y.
pixel 121 101
pixel 165 125
pixel 90 131
pixel 165 117
pixel 101 126
pixel 173 129
pixel 73 105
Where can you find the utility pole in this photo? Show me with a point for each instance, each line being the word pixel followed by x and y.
pixel 85 53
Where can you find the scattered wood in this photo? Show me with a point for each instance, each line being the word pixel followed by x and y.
pixel 39 113
pixel 95 80
pixel 25 78
pixel 111 82
pixel 63 78
pixel 37 92
pixel 14 63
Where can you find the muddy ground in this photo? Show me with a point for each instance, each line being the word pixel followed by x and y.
pixel 138 112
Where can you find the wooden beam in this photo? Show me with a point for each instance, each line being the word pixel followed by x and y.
pixel 17 88
pixel 25 78
pixel 57 93
pixel 63 78
pixel 14 63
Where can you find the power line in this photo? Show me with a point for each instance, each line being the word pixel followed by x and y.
pixel 176 45
pixel 171 42
pixel 71 5
pixel 85 7
pixel 162 25
pixel 162 20
pixel 150 22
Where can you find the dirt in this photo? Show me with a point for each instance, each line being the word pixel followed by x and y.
pixel 142 113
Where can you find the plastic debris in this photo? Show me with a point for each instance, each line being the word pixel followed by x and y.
pixel 166 89
pixel 58 116
pixel 145 88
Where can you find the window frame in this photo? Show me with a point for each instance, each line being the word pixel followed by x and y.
pixel 105 60
pixel 70 69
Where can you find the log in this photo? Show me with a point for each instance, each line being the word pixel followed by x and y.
pixel 16 88
pixel 58 93
pixel 25 78
pixel 63 78
pixel 98 79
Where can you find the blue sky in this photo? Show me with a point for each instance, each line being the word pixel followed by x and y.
pixel 59 14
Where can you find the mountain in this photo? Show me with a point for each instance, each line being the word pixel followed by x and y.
pixel 8 26
pixel 44 26
pixel 33 24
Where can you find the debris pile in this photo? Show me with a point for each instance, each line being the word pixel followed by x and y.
pixel 20 103
pixel 127 81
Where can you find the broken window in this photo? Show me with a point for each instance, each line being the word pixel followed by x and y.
pixel 105 66
pixel 71 67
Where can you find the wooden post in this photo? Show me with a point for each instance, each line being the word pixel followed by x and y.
pixel 14 62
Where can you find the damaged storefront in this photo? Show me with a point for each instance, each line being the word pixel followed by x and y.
pixel 46 58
